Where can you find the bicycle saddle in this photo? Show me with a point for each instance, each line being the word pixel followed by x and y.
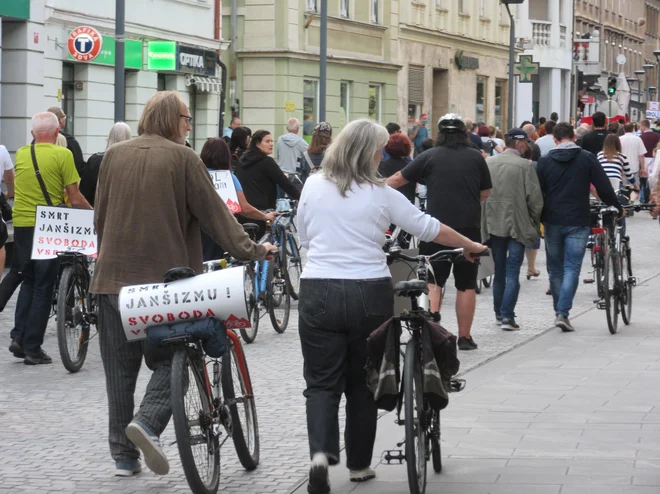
pixel 413 288
pixel 251 229
pixel 178 274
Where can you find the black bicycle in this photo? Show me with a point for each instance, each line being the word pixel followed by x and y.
pixel 421 421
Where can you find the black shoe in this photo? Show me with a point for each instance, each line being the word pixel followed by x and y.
pixel 466 343
pixel 38 359
pixel 318 475
pixel 509 324
pixel 17 349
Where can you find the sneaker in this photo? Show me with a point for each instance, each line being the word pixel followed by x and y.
pixel 150 446
pixel 498 319
pixel 128 468
pixel 362 475
pixel 17 349
pixel 509 324
pixel 38 358
pixel 318 475
pixel 563 323
pixel 466 343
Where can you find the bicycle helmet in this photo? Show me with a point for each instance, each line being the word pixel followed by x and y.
pixel 451 123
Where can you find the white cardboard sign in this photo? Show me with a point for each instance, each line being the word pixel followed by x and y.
pixel 224 186
pixel 63 230
pixel 218 294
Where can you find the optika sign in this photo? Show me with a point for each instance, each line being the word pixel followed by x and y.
pixel 191 61
pixel 85 43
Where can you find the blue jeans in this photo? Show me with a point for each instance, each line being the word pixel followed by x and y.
pixel 508 256
pixel 36 294
pixel 565 248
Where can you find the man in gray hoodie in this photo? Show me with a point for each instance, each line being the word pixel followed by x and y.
pixel 290 147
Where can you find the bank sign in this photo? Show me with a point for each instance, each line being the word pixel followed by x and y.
pixel 168 56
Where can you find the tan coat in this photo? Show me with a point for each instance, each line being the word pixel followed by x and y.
pixel 152 198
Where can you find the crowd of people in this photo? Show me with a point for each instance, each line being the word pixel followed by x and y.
pixel 153 194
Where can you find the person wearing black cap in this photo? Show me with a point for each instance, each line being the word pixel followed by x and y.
pixel 508 220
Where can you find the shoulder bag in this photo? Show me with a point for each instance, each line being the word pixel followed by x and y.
pixel 40 179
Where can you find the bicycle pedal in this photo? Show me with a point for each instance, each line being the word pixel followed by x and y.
pixel 601 304
pixel 588 281
pixel 392 455
pixel 632 281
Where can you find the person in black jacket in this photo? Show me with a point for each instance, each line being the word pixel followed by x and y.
pixel 565 175
pixel 260 176
pixel 593 141
pixel 239 143
pixel 71 143
pixel 90 175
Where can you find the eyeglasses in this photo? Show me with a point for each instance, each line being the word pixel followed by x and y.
pixel 188 119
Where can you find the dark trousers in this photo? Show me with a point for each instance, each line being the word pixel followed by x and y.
pixel 10 282
pixel 122 361
pixel 35 297
pixel 335 319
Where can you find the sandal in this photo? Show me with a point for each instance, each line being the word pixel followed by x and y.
pixel 533 274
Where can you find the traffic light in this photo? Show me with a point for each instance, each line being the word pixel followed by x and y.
pixel 611 86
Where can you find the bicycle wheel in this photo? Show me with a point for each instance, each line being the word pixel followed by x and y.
pixel 279 298
pixel 293 265
pixel 249 334
pixel 610 284
pixel 239 396
pixel 627 287
pixel 413 402
pixel 72 327
pixel 479 286
pixel 198 445
pixel 436 454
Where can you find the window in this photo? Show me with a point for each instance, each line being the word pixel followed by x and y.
pixel 482 8
pixel 481 99
pixel 374 102
pixel 375 14
pixel 500 98
pixel 344 103
pixel 310 107
pixel 68 96
pixel 162 84
pixel 311 6
pixel 343 8
pixel 461 6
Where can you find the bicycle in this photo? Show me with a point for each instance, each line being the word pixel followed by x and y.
pixel 421 422
pixel 75 308
pixel 203 402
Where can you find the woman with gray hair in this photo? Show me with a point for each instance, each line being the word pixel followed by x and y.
pixel 346 291
pixel 120 132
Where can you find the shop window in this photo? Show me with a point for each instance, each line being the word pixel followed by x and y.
pixel 500 98
pixel 481 113
pixel 68 96
pixel 375 102
pixel 310 107
pixel 344 102
pixel 344 8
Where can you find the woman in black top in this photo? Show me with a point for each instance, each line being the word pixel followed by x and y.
pixel 398 149
pixel 260 176
pixel 240 140
pixel 90 175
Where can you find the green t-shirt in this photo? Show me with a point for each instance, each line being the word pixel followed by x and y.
pixel 58 171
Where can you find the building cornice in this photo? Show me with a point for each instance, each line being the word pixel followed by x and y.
pixel 304 55
pixel 133 30
pixel 448 40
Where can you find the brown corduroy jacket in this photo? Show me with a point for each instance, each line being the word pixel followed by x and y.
pixel 153 196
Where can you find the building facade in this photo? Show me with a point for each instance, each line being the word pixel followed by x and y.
pixel 171 44
pixel 544 29
pixel 274 62
pixel 454 57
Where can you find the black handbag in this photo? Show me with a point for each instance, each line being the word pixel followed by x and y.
pixel 5 208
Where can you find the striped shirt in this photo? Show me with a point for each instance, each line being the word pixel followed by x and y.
pixel 615 167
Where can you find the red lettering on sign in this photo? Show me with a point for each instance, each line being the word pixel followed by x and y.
pixel 132 321
pixel 209 313
pixel 158 318
pixel 136 331
pixel 197 314
pixel 170 317
pixel 184 317
pixel 144 319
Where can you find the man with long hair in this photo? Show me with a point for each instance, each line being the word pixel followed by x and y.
pixel 458 180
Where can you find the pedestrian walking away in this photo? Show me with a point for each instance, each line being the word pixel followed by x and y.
pixel 508 221
pixel 565 175
pixel 290 147
pixel 71 142
pixel 134 220
pixel 343 214
pixel 593 141
pixel 457 179
pixel 633 148
pixel 651 140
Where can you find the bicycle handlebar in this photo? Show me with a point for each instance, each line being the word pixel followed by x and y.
pixel 450 254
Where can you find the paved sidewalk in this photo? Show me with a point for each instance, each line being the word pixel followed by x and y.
pixel 566 413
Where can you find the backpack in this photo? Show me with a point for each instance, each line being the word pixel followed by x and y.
pixel 489 147
pixel 307 167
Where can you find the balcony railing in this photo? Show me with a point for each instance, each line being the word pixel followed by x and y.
pixel 541 32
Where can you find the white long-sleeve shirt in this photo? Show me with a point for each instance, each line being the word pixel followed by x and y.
pixel 345 235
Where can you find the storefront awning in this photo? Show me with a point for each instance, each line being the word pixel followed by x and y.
pixel 204 83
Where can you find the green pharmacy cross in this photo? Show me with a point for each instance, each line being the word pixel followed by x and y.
pixel 526 68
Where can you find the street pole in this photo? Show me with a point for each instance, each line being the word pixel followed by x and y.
pixel 120 41
pixel 324 59
pixel 512 54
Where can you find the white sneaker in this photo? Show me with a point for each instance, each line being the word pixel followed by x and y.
pixel 149 444
pixel 362 475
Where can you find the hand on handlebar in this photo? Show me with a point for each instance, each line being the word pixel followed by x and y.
pixel 473 252
pixel 272 250
pixel 272 215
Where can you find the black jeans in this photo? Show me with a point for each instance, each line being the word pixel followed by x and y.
pixel 335 319
pixel 36 294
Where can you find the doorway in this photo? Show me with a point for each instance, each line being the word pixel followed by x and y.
pixel 440 97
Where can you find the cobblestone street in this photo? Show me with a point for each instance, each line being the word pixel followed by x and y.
pixel 54 424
